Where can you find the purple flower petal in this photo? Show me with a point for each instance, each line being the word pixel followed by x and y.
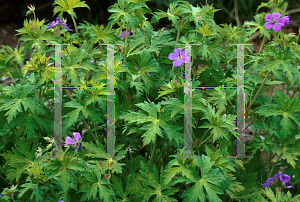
pixel 74 148
pixel 266 185
pixel 80 146
pixel 287 184
pixel 177 51
pixel 185 59
pixel 284 178
pixel 276 28
pixel 276 16
pixel 76 136
pixel 69 141
pixel 286 20
pixel 121 36
pixel 268 25
pixel 185 51
pixel 277 175
pixel 281 22
pixel 177 63
pixel 268 18
pixel 57 20
pixel 173 56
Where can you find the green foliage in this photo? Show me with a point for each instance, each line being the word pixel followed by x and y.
pixel 150 109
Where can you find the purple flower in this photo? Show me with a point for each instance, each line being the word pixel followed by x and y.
pixel 277 47
pixel 69 140
pixel 283 178
pixel 53 24
pixel 286 20
pixel 274 21
pixel 179 57
pixel 92 60
pixel 61 201
pixel 123 34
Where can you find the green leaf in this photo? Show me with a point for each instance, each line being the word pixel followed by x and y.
pixel 20 159
pixel 37 193
pixel 221 97
pixel 39 36
pixel 257 25
pixel 221 126
pixel 152 185
pixel 287 108
pixel 289 151
pixel 68 6
pixel 122 11
pixel 211 180
pixel 20 97
pixel 100 34
pixel 153 127
pixel 97 187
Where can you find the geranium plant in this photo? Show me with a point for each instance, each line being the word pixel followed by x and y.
pixel 149 163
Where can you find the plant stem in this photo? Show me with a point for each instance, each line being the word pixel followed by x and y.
pixel 262 44
pixel 204 135
pixel 268 164
pixel 257 94
pixel 75 28
pixel 274 165
pixel 152 153
pixel 71 173
pixel 207 138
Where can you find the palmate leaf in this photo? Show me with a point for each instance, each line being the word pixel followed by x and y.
pixel 211 180
pixel 15 55
pixel 29 25
pixel 172 14
pixel 72 117
pixel 153 127
pixel 20 159
pixel 126 196
pixel 221 97
pixel 170 88
pixel 37 193
pixel 75 61
pixel 32 123
pixel 99 34
pixel 177 165
pixel 39 35
pixel 122 11
pixel 288 150
pixel 193 12
pixel 264 144
pixel 146 65
pixel 233 34
pixel 257 25
pixel 211 49
pixel 68 6
pixel 20 98
pixel 98 188
pixel 102 73
pixel 287 108
pixel 221 126
pixel 151 185
pixel 282 61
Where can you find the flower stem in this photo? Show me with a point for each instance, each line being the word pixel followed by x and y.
pixel 72 173
pixel 75 28
pixel 207 138
pixel 257 94
pixel 152 153
pixel 270 174
pixel 262 44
